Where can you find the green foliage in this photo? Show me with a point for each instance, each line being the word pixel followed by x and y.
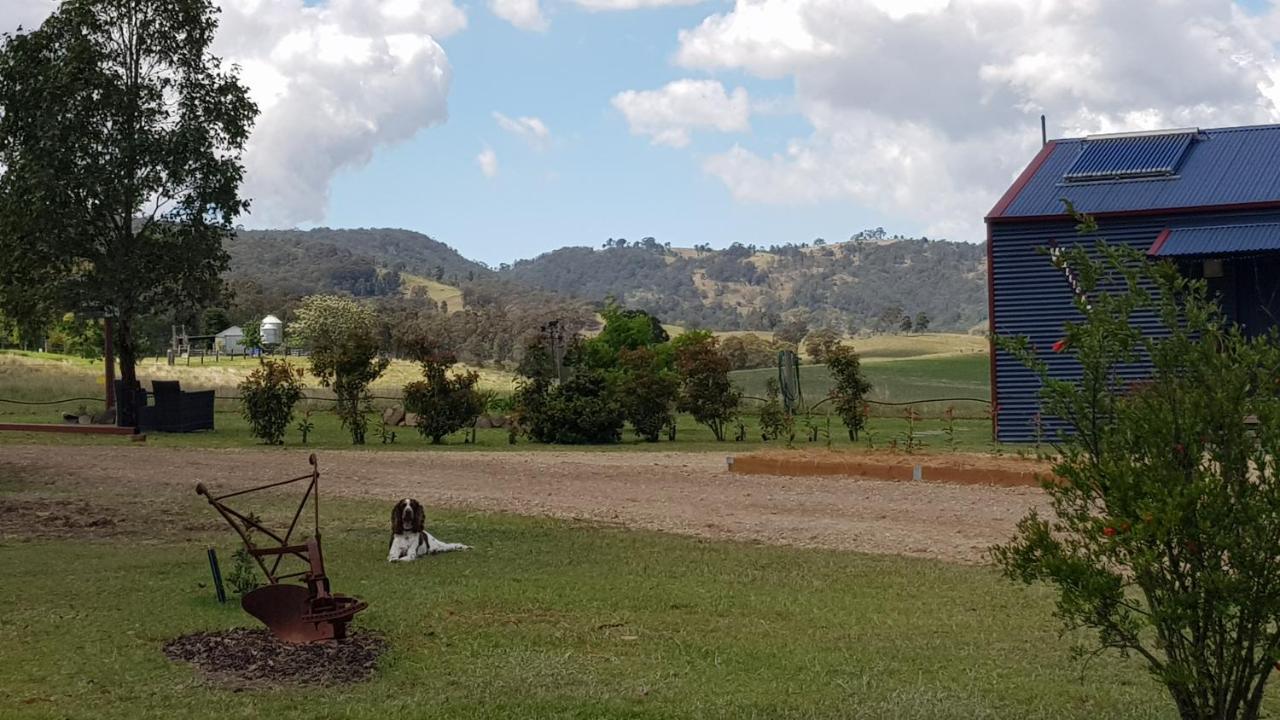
pixel 243 577
pixel 775 422
pixel 705 389
pixel 1165 516
pixel 306 425
pixel 214 320
pixel 342 336
pixel 623 330
pixel 849 388
pixel 581 410
pixel 443 403
pixel 267 399
pixel 252 336
pixel 647 390
pixel 121 136
pixel 73 336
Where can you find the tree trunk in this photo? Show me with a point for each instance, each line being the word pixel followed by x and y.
pixel 126 401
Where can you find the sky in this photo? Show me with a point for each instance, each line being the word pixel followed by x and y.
pixel 508 128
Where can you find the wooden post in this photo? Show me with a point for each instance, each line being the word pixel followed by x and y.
pixel 109 360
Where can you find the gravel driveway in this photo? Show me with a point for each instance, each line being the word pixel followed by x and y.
pixel 687 493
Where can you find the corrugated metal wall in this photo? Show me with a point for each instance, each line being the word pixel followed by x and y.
pixel 1034 299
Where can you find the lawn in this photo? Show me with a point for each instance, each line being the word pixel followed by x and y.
pixel 544 619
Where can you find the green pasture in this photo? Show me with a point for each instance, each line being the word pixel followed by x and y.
pixel 32 378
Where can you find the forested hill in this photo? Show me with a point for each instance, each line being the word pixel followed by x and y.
pixel 869 283
pixel 391 249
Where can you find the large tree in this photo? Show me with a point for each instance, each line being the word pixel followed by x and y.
pixel 120 143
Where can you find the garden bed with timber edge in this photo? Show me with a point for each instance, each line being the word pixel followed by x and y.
pixel 958 468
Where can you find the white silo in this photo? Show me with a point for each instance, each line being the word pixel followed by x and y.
pixel 272 331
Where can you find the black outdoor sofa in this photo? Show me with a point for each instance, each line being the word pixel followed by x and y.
pixel 169 408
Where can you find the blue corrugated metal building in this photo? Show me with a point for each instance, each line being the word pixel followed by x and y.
pixel 1208 199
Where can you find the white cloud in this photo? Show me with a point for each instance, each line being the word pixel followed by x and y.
pixel 925 109
pixel 334 83
pixel 488 162
pixel 27 14
pixel 524 14
pixel 530 129
pixel 669 114
pixel 595 5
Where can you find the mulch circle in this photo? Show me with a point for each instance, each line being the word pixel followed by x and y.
pixel 253 657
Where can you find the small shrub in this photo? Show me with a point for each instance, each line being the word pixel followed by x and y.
pixel 444 403
pixel 775 422
pixel 647 391
pixel 267 399
pixel 305 425
pixel 243 577
pixel 850 388
pixel 581 410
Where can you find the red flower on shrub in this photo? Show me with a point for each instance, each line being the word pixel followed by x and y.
pixel 1060 345
pixel 1109 531
pixel 1180 449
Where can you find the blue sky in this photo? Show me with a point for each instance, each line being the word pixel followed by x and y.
pixel 705 121
pixel 595 180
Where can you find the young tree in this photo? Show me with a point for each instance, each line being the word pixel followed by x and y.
pixel 819 344
pixel 267 399
pixel 849 389
pixel 922 322
pixel 792 332
pixel 343 338
pixel 120 138
pixel 647 390
pixel 1165 508
pixel 905 324
pixel 442 402
pixel 705 389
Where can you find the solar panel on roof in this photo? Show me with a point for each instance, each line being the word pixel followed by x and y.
pixel 1140 155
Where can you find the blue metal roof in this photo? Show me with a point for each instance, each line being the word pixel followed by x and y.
pixel 1228 166
pixel 1217 240
pixel 1129 156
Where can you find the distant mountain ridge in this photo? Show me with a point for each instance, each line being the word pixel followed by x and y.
pixel 868 283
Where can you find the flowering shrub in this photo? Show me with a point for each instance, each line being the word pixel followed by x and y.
pixel 1164 526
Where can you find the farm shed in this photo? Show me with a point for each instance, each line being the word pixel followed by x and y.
pixel 230 341
pixel 1207 199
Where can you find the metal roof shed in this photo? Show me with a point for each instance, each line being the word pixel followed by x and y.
pixel 1210 199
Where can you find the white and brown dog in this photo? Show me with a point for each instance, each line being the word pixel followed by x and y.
pixel 409 538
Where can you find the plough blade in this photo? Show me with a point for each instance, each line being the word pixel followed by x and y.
pixel 293 613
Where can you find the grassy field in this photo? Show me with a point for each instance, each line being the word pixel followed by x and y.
pixel 943 376
pixel 544 619
pixel 437 291
pixel 38 378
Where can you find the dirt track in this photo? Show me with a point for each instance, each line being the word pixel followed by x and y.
pixel 688 493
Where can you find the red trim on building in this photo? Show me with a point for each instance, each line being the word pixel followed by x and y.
pixel 991 338
pixel 1159 243
pixel 1012 193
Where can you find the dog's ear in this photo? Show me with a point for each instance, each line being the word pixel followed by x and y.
pixel 397 526
pixel 419 517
